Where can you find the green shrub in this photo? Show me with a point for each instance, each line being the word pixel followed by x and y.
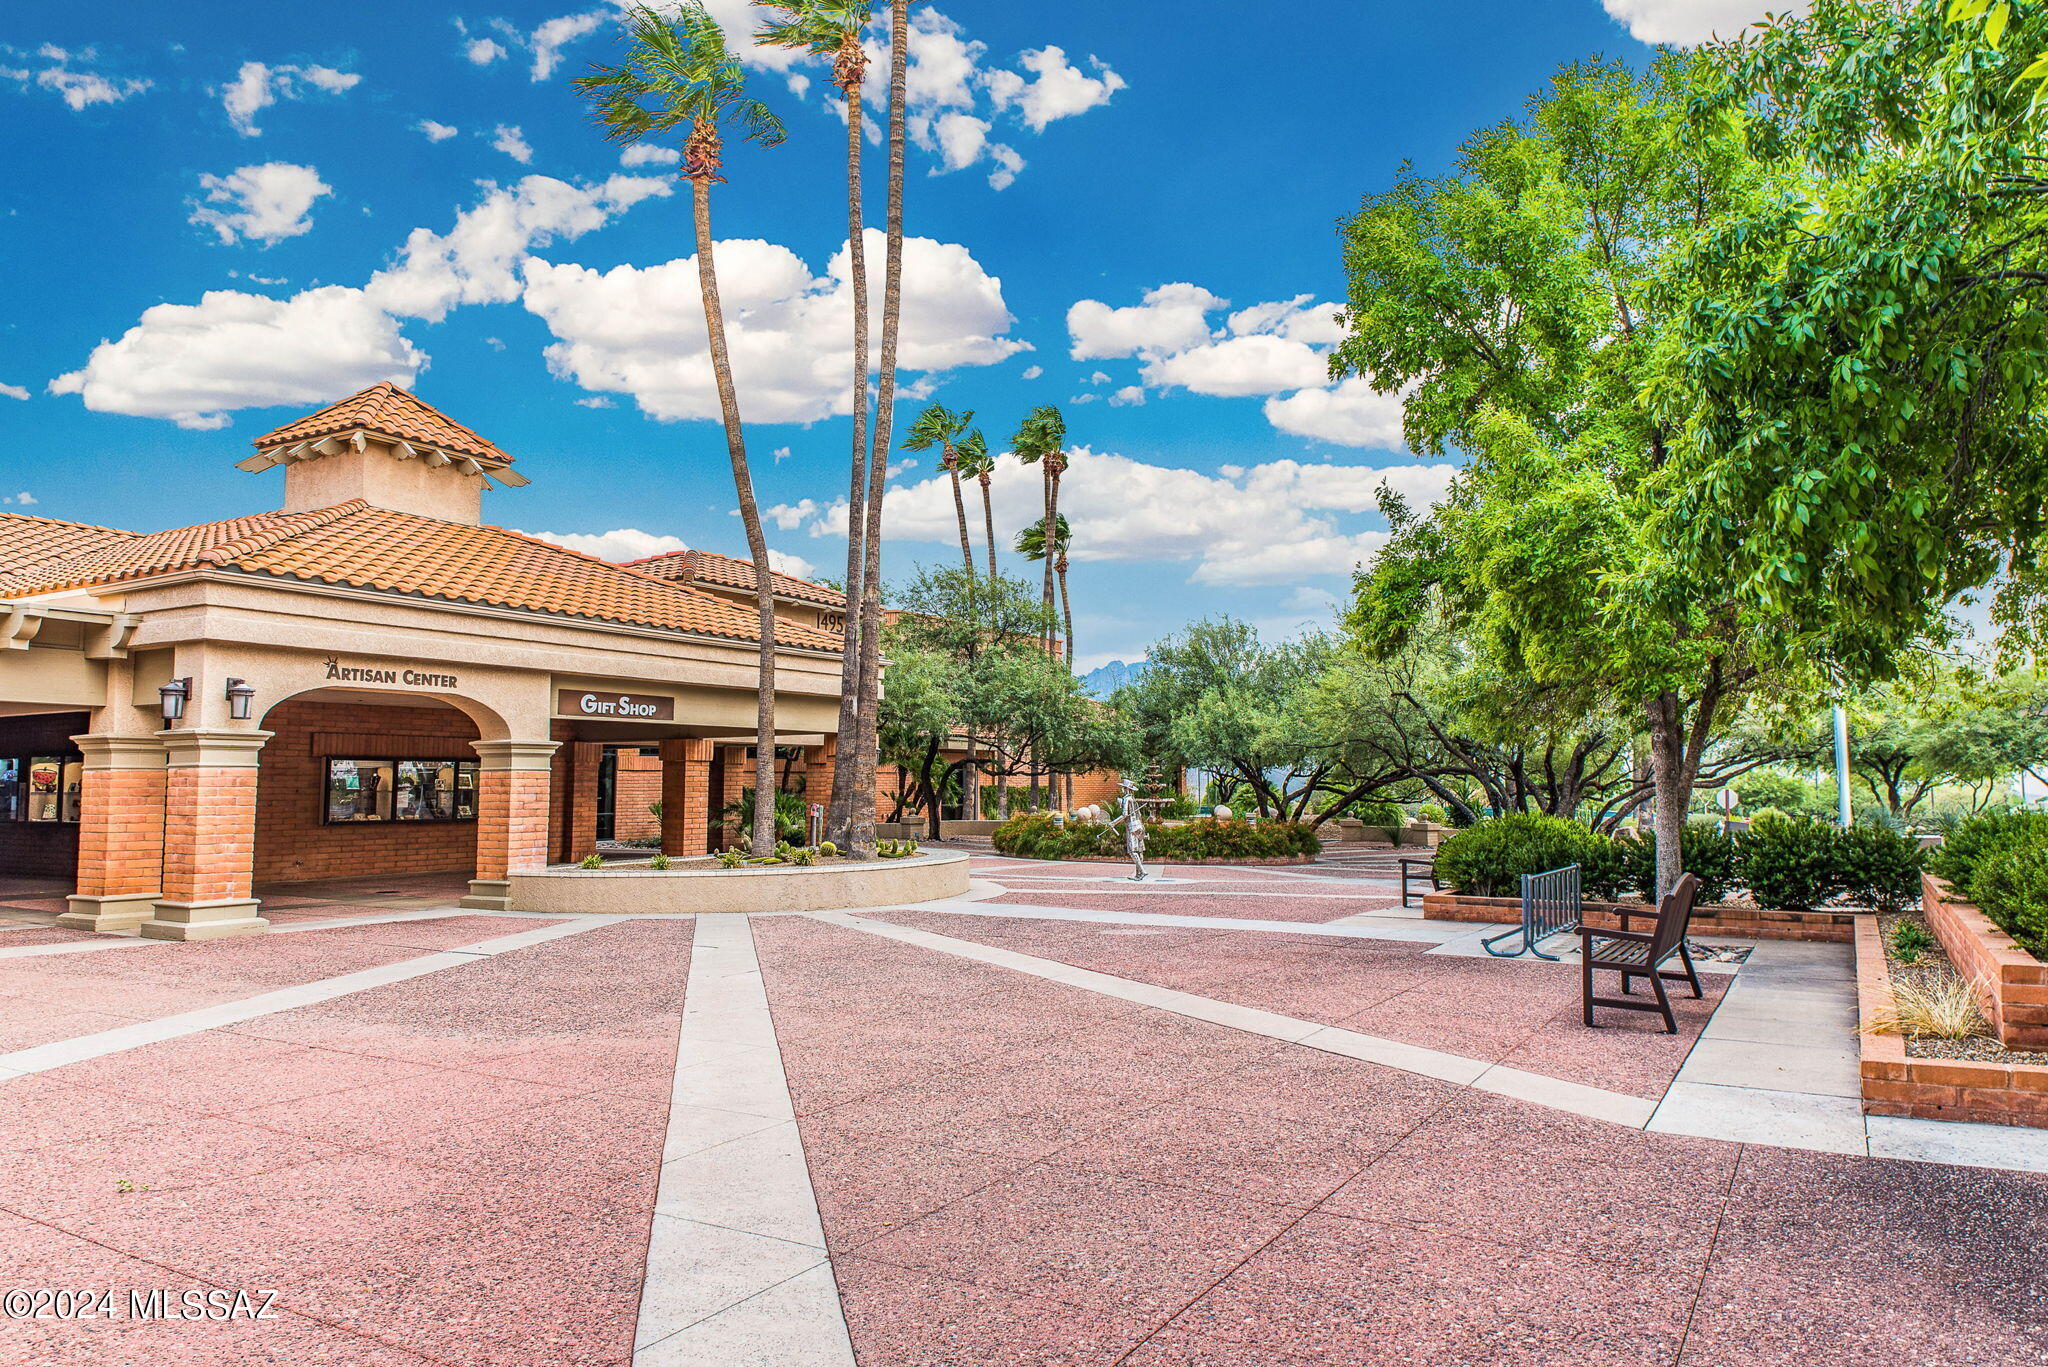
pixel 731 858
pixel 1715 859
pixel 1489 858
pixel 1435 813
pixel 1879 868
pixel 1909 941
pixel 2009 884
pixel 1792 862
pixel 1971 841
pixel 804 858
pixel 590 861
pixel 1387 814
pixel 659 863
pixel 1035 835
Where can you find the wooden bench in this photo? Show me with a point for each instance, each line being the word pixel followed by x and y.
pixel 1642 954
pixel 1408 863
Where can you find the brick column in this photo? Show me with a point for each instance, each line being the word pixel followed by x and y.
pixel 120 833
pixel 512 817
pixel 685 797
pixel 820 765
pixel 209 845
pixel 584 759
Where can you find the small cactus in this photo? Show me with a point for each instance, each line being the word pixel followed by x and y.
pixel 658 863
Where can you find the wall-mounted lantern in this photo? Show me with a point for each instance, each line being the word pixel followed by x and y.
pixel 240 695
pixel 174 694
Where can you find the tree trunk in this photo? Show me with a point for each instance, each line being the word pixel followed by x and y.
pixel 960 514
pixel 750 518
pixel 1673 784
pixel 845 777
pixel 988 517
pixel 1052 501
pixel 861 831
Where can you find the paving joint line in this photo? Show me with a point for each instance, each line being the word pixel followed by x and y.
pixel 57 1054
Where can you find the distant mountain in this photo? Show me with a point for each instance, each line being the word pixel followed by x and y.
pixel 1112 676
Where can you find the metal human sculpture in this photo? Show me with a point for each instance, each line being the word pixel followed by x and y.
pixel 1132 819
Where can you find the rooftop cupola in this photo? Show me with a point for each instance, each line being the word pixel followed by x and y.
pixel 389 449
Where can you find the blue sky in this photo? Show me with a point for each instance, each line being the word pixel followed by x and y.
pixel 223 216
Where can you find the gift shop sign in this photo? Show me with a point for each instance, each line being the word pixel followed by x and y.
pixel 576 702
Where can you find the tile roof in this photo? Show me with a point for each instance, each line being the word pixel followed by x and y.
pixel 360 546
pixel 726 572
pixel 28 541
pixel 388 411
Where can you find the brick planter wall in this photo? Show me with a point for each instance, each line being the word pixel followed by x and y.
pixel 2011 984
pixel 1734 921
pixel 1895 1083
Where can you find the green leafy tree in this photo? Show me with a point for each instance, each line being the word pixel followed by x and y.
pixel 679 80
pixel 831 29
pixel 1518 303
pixel 1854 373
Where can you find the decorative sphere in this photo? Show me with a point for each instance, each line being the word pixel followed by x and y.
pixel 1222 813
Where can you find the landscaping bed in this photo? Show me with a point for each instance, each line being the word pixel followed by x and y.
pixel 1972 1079
pixel 2011 984
pixel 1736 920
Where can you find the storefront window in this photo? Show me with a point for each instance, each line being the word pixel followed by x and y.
pixel 46 788
pixel 41 788
pixel 360 790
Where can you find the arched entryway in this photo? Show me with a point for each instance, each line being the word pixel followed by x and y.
pixel 355 784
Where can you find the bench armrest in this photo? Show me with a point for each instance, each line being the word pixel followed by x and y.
pixel 1635 936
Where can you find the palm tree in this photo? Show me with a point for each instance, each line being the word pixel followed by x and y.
pixel 1041 440
pixel 860 834
pixel 832 28
pixel 976 461
pixel 940 426
pixel 678 76
pixel 1031 545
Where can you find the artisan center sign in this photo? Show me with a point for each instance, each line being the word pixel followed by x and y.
pixel 574 702
pixel 379 674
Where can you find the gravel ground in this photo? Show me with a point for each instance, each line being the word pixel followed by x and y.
pixel 1933 967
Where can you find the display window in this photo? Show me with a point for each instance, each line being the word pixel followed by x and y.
pixel 47 788
pixel 379 790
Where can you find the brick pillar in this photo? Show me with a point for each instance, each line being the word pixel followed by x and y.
pixel 686 797
pixel 584 758
pixel 120 833
pixel 820 764
pixel 209 844
pixel 513 786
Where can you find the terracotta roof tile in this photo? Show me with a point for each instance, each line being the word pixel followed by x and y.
pixel 388 411
pixel 361 546
pixel 28 541
pixel 727 572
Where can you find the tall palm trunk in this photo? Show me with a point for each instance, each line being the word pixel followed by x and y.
pixel 960 515
pixel 845 776
pixel 1047 500
pixel 861 833
pixel 988 517
pixel 1066 781
pixel 750 513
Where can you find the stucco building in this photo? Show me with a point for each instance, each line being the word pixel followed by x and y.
pixel 371 680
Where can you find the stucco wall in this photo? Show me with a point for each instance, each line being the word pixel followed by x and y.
pixel 292 843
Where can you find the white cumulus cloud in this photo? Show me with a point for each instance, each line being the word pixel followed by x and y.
pixel 1684 23
pixel 265 203
pixel 1171 318
pixel 257 86
pixel 51 69
pixel 508 138
pixel 1273 523
pixel 551 37
pixel 782 562
pixel 192 363
pixel 1350 413
pixel 1057 89
pixel 619 544
pixel 477 261
pixel 14 391
pixel 483 51
pixel 436 132
pixel 648 154
pixel 640 330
